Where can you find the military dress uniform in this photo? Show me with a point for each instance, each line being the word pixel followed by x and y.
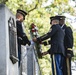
pixel 56 51
pixel 68 44
pixel 21 36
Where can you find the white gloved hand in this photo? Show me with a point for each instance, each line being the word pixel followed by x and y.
pixel 31 42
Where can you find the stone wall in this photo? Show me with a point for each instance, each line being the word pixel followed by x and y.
pixel 6 65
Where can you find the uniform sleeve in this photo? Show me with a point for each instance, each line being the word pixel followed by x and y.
pixel 52 31
pixel 69 37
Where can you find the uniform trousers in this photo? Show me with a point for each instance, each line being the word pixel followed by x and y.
pixel 19 52
pixel 57 64
pixel 67 66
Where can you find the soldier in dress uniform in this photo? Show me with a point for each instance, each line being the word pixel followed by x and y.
pixel 68 44
pixel 21 36
pixel 56 51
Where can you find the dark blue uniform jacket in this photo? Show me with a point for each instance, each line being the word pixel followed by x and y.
pixel 56 35
pixel 22 38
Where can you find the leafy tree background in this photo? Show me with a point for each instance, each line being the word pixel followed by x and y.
pixel 39 14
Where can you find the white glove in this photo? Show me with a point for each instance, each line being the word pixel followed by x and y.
pixel 31 42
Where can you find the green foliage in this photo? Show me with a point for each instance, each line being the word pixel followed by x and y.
pixel 3 1
pixel 40 17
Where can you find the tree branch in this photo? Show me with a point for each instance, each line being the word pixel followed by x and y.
pixel 34 7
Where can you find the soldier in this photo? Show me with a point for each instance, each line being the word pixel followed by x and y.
pixel 56 51
pixel 21 36
pixel 68 44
